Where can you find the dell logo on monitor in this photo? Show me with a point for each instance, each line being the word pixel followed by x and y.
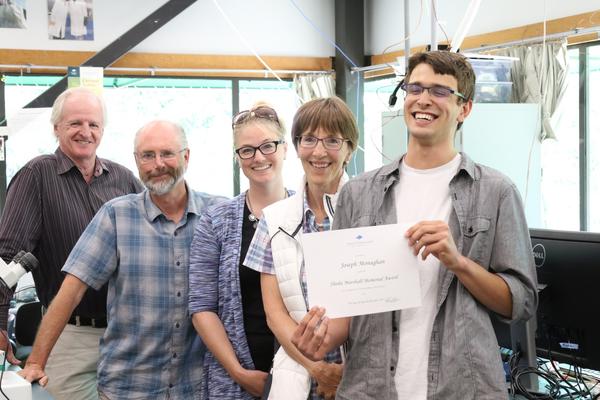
pixel 539 255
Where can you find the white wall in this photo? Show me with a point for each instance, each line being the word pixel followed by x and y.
pixel 385 18
pixel 275 27
pixel 271 27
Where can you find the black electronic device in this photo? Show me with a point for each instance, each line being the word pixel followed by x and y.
pixel 568 269
pixel 394 96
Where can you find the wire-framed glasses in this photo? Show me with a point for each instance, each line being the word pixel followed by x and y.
pixel 246 152
pixel 330 142
pixel 438 91
pixel 146 157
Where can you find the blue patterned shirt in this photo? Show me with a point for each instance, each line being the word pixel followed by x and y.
pixel 215 287
pixel 150 349
pixel 260 258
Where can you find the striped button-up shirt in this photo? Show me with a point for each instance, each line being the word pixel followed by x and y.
pixel 150 349
pixel 48 206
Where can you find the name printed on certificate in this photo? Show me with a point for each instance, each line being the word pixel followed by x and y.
pixel 361 271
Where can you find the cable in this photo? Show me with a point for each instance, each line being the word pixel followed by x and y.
pixel 245 42
pixel 338 48
pixel 438 22
pixel 409 35
pixel 4 364
pixel 320 32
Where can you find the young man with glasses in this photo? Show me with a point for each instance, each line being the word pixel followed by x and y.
pixel 138 244
pixel 50 202
pixel 469 231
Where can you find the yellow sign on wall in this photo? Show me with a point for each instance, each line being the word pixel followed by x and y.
pixel 89 77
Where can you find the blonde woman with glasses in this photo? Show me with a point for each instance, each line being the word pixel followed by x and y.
pixel 225 297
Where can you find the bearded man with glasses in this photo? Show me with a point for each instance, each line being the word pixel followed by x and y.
pixel 139 244
pixel 468 229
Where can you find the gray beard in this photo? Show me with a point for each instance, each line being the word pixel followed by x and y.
pixel 165 186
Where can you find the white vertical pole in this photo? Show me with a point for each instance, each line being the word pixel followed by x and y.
pixel 433 26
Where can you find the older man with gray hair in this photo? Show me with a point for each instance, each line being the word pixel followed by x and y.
pixel 50 201
pixel 139 244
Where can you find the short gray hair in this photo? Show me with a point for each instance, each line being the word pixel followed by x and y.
pixel 57 107
pixel 181 135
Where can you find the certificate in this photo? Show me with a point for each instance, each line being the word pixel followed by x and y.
pixel 361 271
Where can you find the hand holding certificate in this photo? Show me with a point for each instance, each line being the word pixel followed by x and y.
pixel 361 270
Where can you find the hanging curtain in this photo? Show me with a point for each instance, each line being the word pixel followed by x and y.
pixel 312 86
pixel 540 76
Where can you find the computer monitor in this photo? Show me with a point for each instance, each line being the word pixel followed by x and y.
pixel 568 322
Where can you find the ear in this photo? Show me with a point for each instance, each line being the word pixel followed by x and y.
pixel 348 158
pixel 186 156
pixel 285 149
pixel 465 110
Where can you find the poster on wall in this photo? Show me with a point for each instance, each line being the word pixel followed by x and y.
pixel 89 77
pixel 70 20
pixel 13 14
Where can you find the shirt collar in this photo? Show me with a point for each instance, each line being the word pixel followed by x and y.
pixel 391 172
pixel 65 164
pixel 153 212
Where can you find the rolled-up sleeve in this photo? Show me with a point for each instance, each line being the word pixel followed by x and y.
pixel 204 267
pixel 512 258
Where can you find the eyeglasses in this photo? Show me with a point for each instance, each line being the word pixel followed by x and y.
pixel 330 143
pixel 246 152
pixel 415 89
pixel 263 112
pixel 150 156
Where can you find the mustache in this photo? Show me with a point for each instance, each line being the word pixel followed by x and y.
pixel 159 172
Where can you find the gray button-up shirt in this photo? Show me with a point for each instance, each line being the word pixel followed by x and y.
pixel 489 227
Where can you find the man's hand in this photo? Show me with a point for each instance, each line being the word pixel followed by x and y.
pixel 328 377
pixel 311 337
pixel 34 373
pixel 253 381
pixel 434 237
pixel 5 345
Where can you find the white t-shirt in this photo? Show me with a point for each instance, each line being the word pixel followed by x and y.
pixel 421 195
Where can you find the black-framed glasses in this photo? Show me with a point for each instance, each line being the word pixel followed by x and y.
pixel 438 91
pixel 263 112
pixel 330 142
pixel 246 152
pixel 150 156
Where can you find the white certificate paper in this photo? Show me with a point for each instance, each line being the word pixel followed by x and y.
pixel 361 271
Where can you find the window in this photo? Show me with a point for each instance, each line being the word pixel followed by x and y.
pixel 376 96
pixel 593 125
pixel 202 106
pixel 560 159
pixel 571 164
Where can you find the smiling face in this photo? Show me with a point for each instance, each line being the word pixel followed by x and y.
pixel 324 168
pixel 260 169
pixel 161 175
pixel 433 120
pixel 80 127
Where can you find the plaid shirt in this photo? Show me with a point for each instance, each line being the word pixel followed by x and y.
pixel 260 258
pixel 150 348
